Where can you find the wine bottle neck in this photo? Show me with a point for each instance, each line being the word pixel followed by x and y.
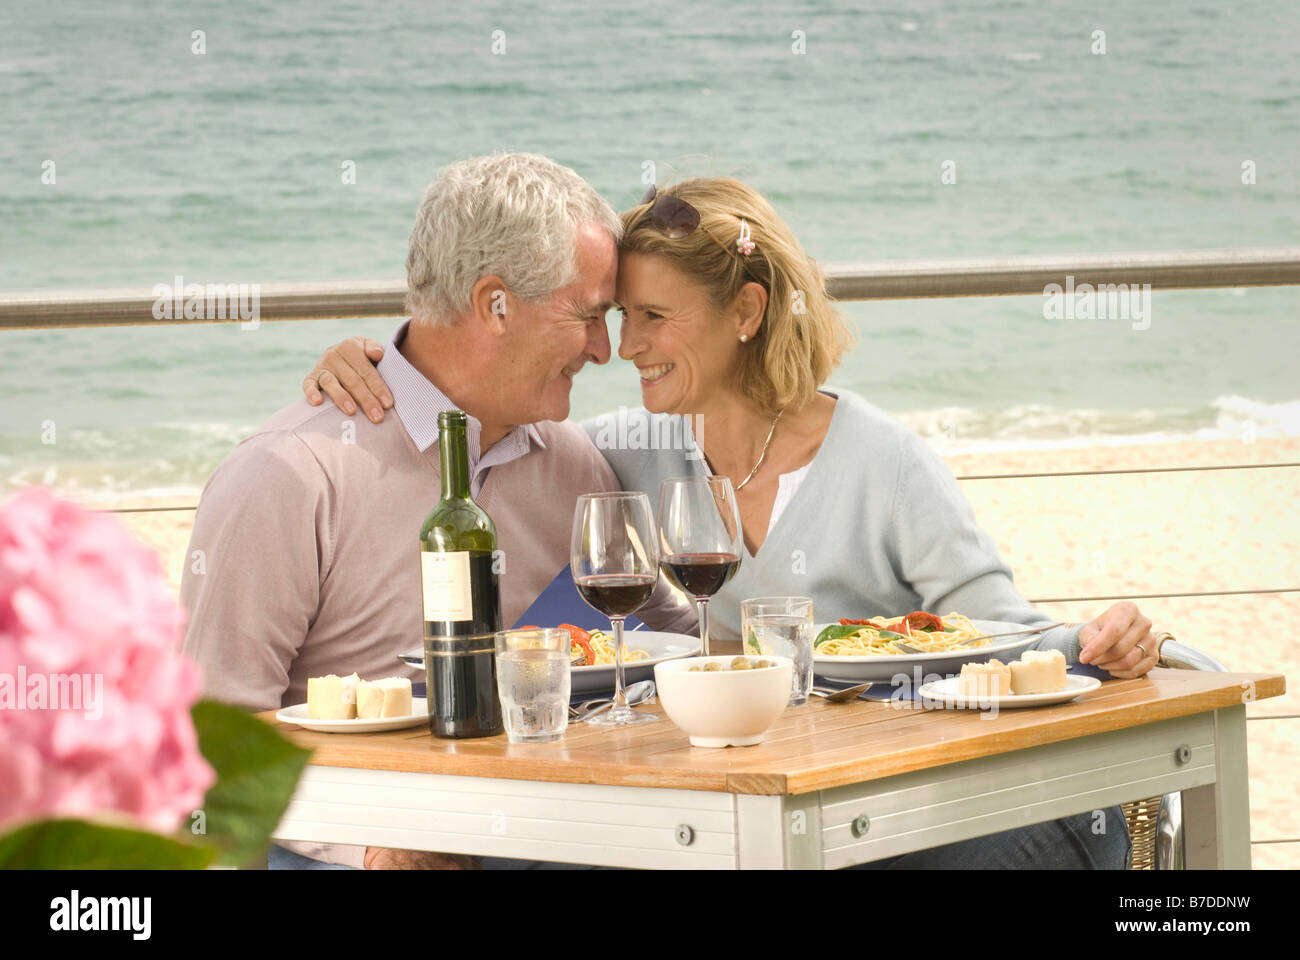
pixel 454 451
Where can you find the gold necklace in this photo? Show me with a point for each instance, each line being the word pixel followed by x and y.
pixel 762 456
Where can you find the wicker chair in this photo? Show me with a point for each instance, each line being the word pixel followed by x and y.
pixel 1156 823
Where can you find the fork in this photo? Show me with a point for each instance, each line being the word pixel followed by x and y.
pixel 841 696
pixel 908 648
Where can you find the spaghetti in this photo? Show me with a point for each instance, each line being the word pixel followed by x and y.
pixel 602 644
pixel 598 647
pixel 923 631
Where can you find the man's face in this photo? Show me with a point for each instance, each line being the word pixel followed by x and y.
pixel 547 343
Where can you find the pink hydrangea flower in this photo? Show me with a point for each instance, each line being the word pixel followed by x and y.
pixel 95 694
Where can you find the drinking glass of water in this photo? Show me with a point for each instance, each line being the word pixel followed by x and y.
pixel 533 681
pixel 783 627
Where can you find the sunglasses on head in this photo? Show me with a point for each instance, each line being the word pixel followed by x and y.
pixel 675 218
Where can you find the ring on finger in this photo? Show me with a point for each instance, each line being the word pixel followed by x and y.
pixel 1144 651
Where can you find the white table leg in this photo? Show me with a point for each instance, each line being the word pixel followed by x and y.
pixel 1216 817
pixel 779 833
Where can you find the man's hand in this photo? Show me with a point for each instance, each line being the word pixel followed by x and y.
pixel 1111 642
pixel 346 372
pixel 382 858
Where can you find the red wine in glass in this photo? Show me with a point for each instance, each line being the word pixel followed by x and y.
pixel 700 574
pixel 615 562
pixel 616 595
pixel 700 539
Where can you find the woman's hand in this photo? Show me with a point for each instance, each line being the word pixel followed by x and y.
pixel 1111 642
pixel 347 374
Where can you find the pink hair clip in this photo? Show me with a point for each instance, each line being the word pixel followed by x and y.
pixel 744 244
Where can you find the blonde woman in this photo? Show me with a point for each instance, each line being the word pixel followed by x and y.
pixel 727 321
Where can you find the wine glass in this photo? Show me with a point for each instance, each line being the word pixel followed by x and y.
pixel 615 563
pixel 700 539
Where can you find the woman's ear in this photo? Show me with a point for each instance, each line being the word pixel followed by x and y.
pixel 751 304
pixel 490 302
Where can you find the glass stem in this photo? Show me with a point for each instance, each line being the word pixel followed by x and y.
pixel 702 606
pixel 620 691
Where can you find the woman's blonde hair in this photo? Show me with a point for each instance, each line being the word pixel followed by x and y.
pixel 802 336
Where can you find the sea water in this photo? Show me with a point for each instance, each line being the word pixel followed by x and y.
pixel 279 146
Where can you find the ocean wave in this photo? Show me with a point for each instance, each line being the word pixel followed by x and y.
pixel 1037 426
pixel 175 459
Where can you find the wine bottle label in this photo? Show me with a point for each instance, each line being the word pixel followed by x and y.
pixel 446 583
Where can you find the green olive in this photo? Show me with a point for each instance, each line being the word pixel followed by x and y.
pixel 711 666
pixel 740 663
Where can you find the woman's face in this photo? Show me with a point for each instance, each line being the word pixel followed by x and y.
pixel 685 352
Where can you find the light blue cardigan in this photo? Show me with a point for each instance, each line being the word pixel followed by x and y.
pixel 877 527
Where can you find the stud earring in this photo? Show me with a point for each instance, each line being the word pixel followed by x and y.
pixel 744 338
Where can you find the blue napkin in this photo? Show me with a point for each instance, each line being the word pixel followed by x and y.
pixel 561 603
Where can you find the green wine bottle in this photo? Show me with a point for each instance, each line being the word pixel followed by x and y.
pixel 462 599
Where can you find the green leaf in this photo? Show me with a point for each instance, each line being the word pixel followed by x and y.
pixel 891 635
pixel 257 770
pixel 81 845
pixel 835 631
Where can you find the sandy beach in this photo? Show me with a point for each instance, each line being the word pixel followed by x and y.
pixel 1146 535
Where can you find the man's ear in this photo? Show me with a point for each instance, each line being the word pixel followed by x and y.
pixel 490 302
pixel 750 306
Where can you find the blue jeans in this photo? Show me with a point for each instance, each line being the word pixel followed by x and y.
pixel 1067 844
pixel 278 858
pixel 1071 843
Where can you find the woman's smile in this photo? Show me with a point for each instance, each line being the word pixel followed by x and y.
pixel 651 375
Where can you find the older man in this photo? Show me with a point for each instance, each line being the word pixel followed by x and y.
pixel 304 550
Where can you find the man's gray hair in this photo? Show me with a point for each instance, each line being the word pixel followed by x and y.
pixel 515 215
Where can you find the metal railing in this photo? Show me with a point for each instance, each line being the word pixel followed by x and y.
pixel 875 280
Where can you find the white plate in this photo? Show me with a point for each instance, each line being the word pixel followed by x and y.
pixel 298 714
pixel 881 668
pixel 600 678
pixel 945 692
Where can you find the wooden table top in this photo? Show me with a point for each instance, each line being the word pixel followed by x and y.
pixel 813 747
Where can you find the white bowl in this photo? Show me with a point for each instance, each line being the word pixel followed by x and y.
pixel 724 708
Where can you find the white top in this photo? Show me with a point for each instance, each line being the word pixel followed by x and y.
pixel 785 490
